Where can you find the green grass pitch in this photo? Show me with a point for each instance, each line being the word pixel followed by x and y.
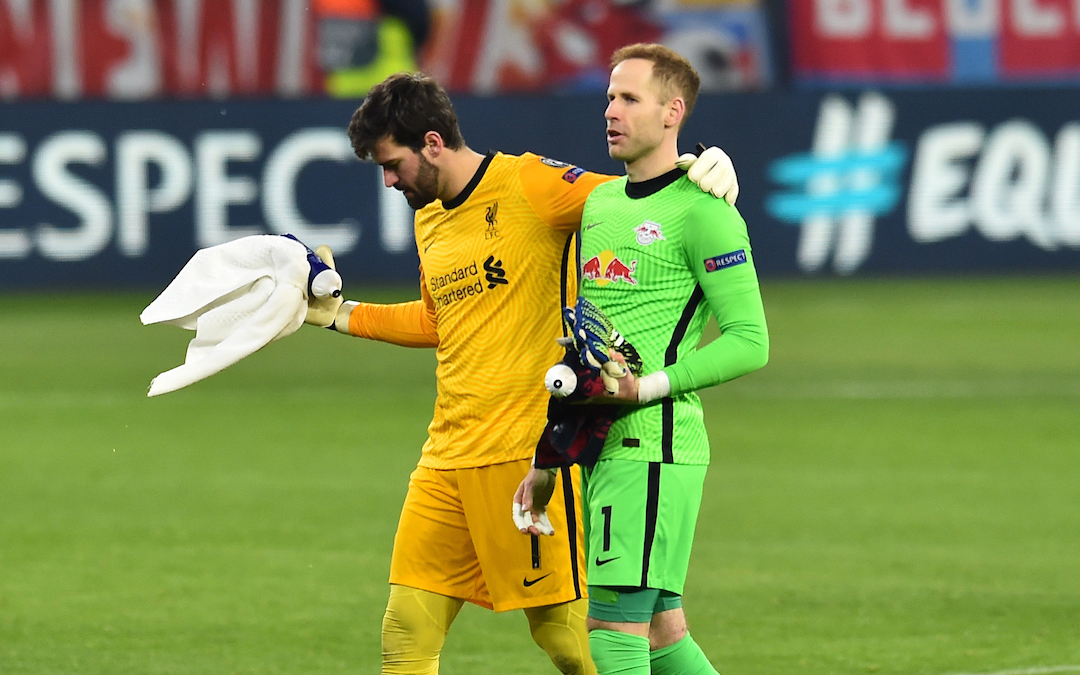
pixel 898 491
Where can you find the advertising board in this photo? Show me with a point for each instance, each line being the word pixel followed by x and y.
pixel 896 182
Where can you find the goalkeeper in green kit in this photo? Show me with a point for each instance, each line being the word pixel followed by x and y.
pixel 657 258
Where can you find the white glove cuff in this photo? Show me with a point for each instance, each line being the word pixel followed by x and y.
pixel 341 321
pixel 653 386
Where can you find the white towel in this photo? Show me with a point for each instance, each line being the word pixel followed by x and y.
pixel 238 297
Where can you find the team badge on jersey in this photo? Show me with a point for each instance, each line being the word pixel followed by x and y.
pixel 606 268
pixel 648 232
pixel 719 262
pixel 491 217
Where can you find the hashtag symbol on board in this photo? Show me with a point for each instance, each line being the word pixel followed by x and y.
pixel 851 176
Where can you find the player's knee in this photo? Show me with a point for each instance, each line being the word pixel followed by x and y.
pixel 413 631
pixel 408 648
pixel 562 647
pixel 560 631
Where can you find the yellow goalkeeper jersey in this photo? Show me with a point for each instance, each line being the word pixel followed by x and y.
pixel 491 270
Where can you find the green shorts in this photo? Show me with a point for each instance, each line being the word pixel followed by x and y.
pixel 630 606
pixel 639 523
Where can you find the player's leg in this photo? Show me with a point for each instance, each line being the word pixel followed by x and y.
pixel 544 576
pixel 668 624
pixel 623 642
pixel 560 631
pixel 619 613
pixel 414 629
pixel 673 650
pixel 642 523
pixel 619 629
pixel 433 570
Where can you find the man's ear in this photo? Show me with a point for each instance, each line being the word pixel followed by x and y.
pixel 676 110
pixel 433 144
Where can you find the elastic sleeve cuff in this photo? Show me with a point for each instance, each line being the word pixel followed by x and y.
pixel 653 386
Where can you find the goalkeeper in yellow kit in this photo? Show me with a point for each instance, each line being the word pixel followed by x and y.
pixel 492 232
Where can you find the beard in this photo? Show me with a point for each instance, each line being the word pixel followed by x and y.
pixel 426 189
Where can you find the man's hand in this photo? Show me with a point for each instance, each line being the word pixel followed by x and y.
pixel 531 500
pixel 713 172
pixel 323 310
pixel 622 388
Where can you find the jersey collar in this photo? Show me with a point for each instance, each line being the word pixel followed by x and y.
pixel 653 185
pixel 473 182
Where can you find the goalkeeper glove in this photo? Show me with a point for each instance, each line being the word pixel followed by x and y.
pixel 594 338
pixel 712 171
pixel 324 288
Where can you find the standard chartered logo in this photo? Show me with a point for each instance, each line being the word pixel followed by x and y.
pixel 851 176
pixel 464 282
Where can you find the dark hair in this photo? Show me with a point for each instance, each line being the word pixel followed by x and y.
pixel 404 106
pixel 671 71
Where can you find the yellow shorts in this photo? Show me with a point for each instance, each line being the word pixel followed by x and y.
pixel 456 538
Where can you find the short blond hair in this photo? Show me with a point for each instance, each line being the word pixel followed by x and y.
pixel 672 72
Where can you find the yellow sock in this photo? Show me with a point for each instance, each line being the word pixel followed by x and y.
pixel 414 629
pixel 560 631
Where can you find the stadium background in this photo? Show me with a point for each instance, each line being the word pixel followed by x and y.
pixel 895 492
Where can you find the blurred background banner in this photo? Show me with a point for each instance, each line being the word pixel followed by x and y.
pixel 935 41
pixel 137 49
pixel 489 46
pixel 870 136
pixel 832 183
pixel 142 49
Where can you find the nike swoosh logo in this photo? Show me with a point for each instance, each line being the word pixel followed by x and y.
pixel 526 582
pixel 428 246
pixel 591 226
pixel 601 563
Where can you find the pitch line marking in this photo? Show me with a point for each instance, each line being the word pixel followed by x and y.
pixel 1030 671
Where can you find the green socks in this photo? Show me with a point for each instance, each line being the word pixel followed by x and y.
pixel 682 658
pixel 616 653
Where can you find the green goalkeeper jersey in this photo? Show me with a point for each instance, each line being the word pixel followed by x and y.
pixel 658 257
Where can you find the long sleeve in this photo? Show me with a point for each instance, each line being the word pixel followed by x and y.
pixel 409 324
pixel 718 248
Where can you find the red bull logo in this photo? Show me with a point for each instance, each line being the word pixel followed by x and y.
pixel 606 268
pixel 591 269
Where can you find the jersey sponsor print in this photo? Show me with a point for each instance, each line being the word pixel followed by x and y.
pixel 606 268
pixel 466 282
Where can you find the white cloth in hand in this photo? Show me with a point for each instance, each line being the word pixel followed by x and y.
pixel 238 297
